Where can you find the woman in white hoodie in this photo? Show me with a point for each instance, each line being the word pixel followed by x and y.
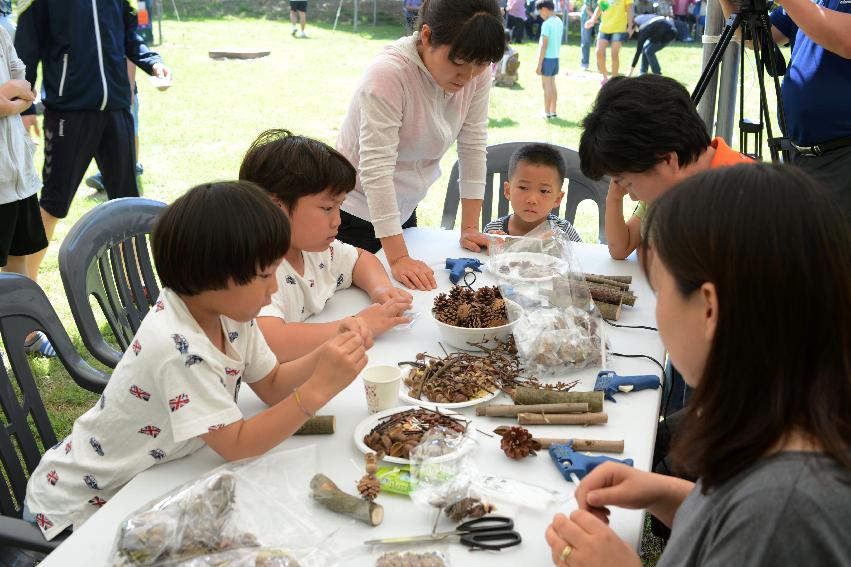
pixel 420 95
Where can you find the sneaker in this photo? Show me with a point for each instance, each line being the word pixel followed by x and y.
pixel 295 31
pixel 40 345
pixel 139 169
pixel 603 81
pixel 96 182
pixel 584 68
pixel 303 34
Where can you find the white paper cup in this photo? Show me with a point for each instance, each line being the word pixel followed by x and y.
pixel 381 384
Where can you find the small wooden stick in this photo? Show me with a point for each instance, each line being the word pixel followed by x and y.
pixel 562 418
pixel 598 445
pixel 318 425
pixel 524 395
pixel 326 493
pixel 512 410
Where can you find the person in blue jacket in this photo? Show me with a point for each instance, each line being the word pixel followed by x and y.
pixel 82 46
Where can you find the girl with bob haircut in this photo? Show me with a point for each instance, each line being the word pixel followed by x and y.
pixel 752 270
pixel 416 99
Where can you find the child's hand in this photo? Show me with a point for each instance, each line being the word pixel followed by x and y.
pixel 413 274
pixel 340 360
pixel 473 240
pixel 380 318
pixel 17 88
pixel 590 23
pixel 357 324
pixel 387 293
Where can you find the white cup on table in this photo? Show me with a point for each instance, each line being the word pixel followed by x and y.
pixel 381 384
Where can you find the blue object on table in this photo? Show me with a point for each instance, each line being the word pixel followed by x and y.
pixel 488 532
pixel 572 463
pixel 458 266
pixel 611 383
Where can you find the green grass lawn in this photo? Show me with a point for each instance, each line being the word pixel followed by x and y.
pixel 199 129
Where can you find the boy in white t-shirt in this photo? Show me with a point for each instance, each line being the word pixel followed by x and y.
pixel 216 249
pixel 309 180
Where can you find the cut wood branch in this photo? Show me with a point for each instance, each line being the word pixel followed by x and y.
pixel 604 280
pixel 512 410
pixel 611 294
pixel 326 493
pixel 318 425
pixel 621 279
pixel 597 445
pixel 562 418
pixel 608 310
pixel 524 395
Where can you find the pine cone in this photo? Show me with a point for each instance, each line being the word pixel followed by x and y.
pixel 369 487
pixel 518 443
pixel 468 508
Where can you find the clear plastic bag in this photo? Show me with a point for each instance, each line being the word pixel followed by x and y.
pixel 413 559
pixel 251 510
pixel 557 327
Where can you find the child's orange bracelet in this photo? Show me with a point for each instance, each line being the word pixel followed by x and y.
pixel 300 406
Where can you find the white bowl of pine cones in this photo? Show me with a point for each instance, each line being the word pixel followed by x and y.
pixel 469 319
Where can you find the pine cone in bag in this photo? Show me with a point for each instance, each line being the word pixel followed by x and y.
pixel 518 443
pixel 369 487
pixel 468 508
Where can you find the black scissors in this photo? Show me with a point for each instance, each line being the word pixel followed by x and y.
pixel 489 532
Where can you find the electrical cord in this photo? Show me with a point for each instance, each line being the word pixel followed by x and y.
pixel 647 356
pixel 619 326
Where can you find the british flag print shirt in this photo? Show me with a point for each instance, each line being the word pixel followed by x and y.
pixel 301 296
pixel 171 386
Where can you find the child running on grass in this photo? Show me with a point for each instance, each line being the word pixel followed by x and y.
pixel 615 28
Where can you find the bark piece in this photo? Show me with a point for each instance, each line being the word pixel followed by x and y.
pixel 608 310
pixel 621 279
pixel 604 280
pixel 597 445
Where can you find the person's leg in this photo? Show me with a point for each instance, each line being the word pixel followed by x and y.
pixel 584 42
pixel 553 95
pixel 70 140
pixel 28 237
pixel 545 87
pixel 645 58
pixel 116 155
pixel 602 44
pixel 294 19
pixel 833 170
pixel 650 49
pixel 616 50
pixel 303 19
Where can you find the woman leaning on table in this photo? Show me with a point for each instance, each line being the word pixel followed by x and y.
pixel 752 271
pixel 420 95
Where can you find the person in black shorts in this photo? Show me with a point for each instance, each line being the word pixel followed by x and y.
pixel 298 11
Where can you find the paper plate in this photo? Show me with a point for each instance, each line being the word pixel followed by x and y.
pixel 365 426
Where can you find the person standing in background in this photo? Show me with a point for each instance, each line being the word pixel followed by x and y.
pixel 298 15
pixel 411 9
pixel 516 14
pixel 587 33
pixel 548 54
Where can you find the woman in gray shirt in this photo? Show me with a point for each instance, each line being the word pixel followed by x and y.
pixel 752 271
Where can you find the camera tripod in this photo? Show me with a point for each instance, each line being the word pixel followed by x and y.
pixel 752 19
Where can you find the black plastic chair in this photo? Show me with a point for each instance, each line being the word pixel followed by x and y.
pixel 24 308
pixel 578 189
pixel 106 256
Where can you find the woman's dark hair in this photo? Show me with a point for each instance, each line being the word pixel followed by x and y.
pixel 473 29
pixel 217 233
pixel 635 122
pixel 778 249
pixel 291 167
pixel 538 154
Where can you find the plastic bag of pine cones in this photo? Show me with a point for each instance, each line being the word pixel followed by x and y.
pixel 243 513
pixel 557 327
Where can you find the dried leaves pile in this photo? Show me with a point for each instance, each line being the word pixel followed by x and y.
pixel 463 376
pixel 397 434
pixel 479 309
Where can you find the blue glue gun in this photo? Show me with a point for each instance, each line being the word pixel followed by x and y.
pixel 611 383
pixel 574 465
pixel 458 266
